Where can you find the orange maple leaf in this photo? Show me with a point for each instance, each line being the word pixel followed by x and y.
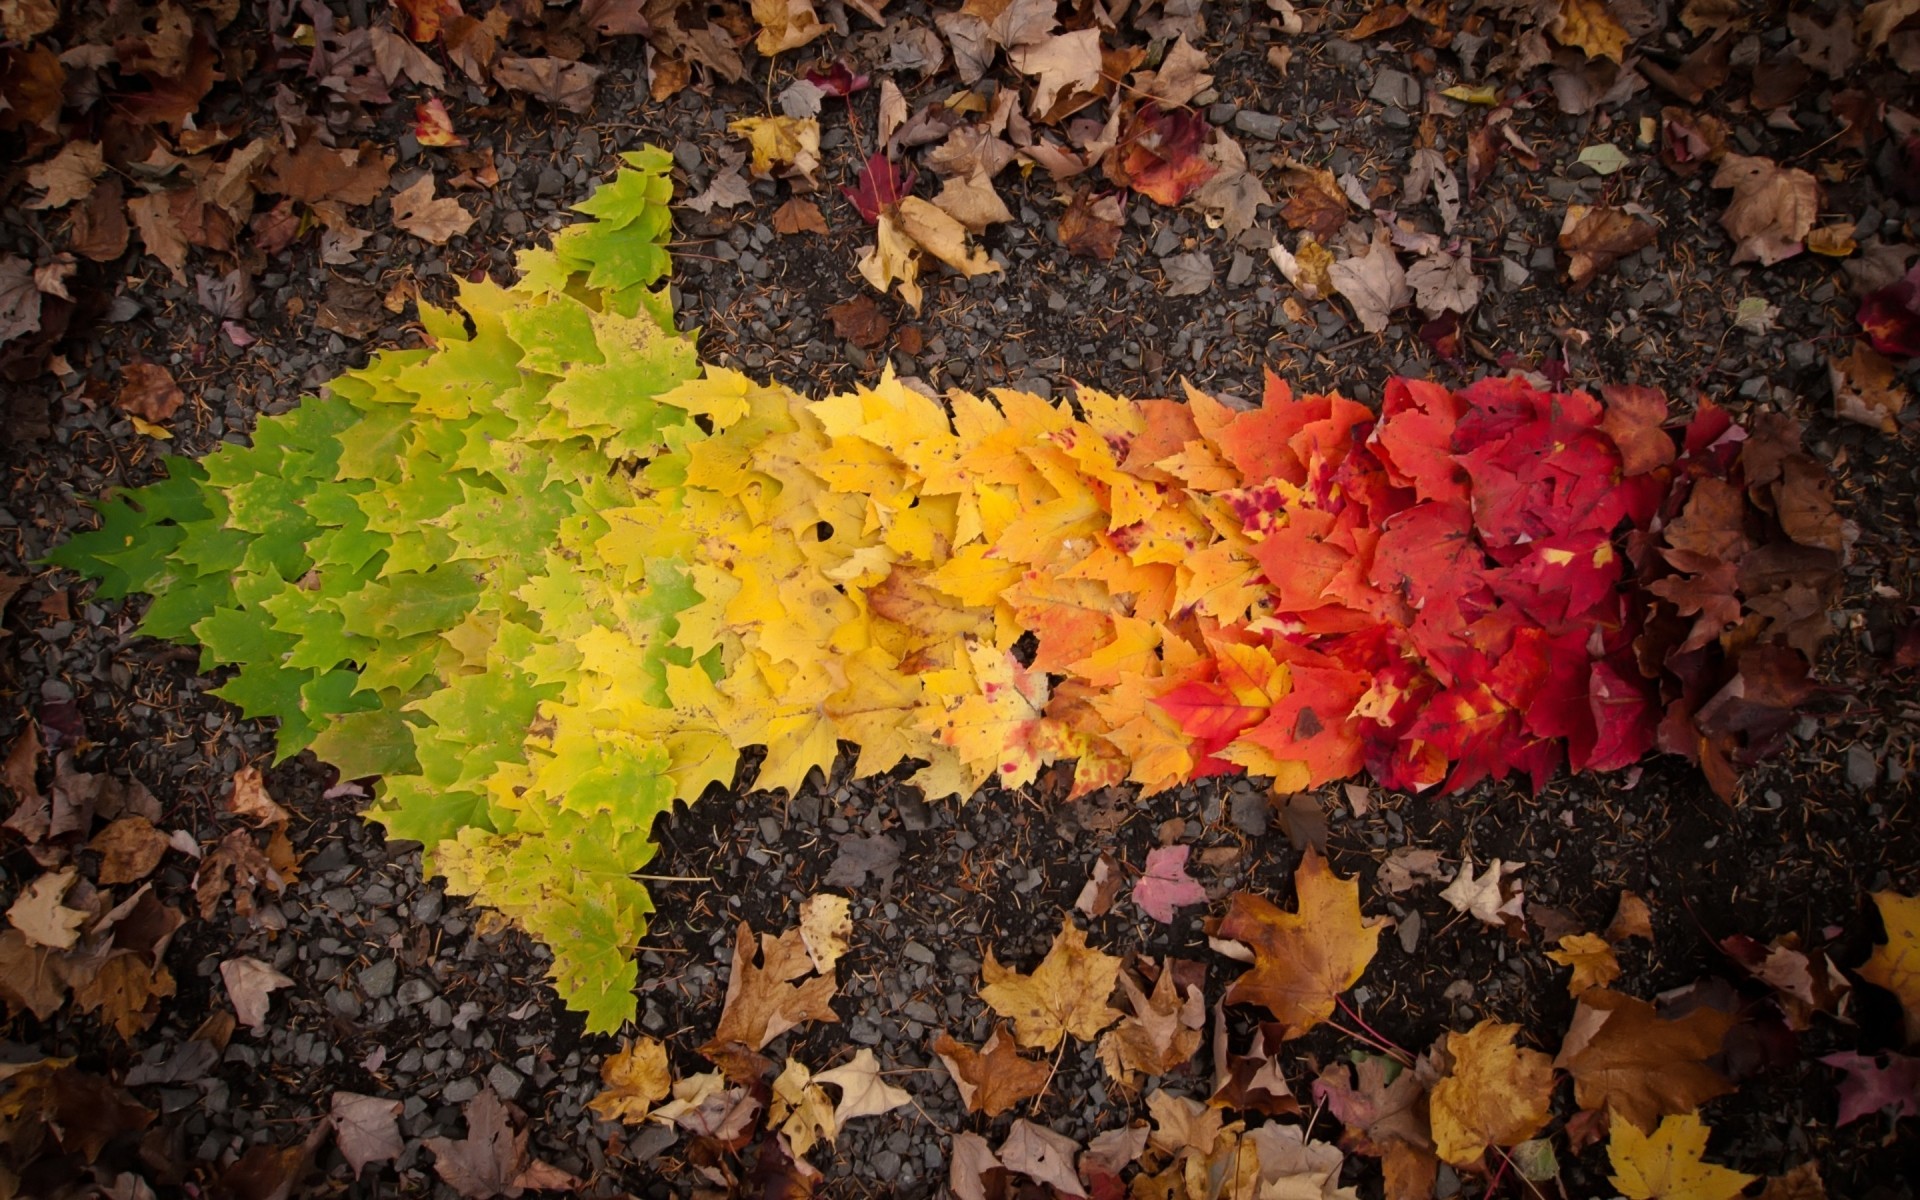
pixel 1302 960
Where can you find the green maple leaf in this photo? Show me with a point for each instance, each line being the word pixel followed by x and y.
pixel 557 336
pixel 410 808
pixel 372 449
pixel 242 635
pixel 410 603
pixel 362 744
pixel 612 259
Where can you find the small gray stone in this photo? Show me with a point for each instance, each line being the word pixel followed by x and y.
pixel 1863 770
pixel 1249 812
pixel 504 1080
pixel 1264 126
pixel 343 1003
pixel 919 953
pixel 414 991
pixel 461 1090
pixel 378 980
pixel 1396 89
pixel 886 1165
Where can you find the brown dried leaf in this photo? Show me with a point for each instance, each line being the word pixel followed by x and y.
pixel 1596 238
pixel 1066 994
pixel 147 390
pixel 559 82
pixel 995 1077
pixel 1623 1055
pixel 1302 960
pixel 436 221
pixel 67 176
pixel 763 1002
pixel 1159 1035
pixel 799 216
pixel 1867 389
pixel 860 321
pixel 1772 209
pixel 130 848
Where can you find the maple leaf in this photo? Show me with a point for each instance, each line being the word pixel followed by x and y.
pixel 365 1128
pixel 250 985
pixel 1165 885
pixel 1488 896
pixel 1865 389
pixel 1494 1093
pixel 763 1001
pixel 785 25
pixel 437 221
pixel 792 146
pixel 1803 982
pixel 1590 957
pixel 1597 237
pixel 1042 1155
pixel 130 848
pixel 1772 208
pixel 1159 1035
pixel 633 1080
pixel 560 82
pixel 995 1077
pixel 1384 1108
pixel 1066 995
pixel 1160 156
pixel 800 1109
pixel 1623 1056
pixel 1872 1085
pixel 881 184
pixel 1589 26
pixel 1666 1163
pixel 1895 964
pixel 1302 960
pixel 37 912
pixel 862 1092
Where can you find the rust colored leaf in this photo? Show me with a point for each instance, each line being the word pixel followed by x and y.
pixel 1302 960
pixel 993 1078
pixel 147 390
pixel 1596 238
pixel 1622 1054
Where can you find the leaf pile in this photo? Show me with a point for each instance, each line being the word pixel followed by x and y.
pixel 547 576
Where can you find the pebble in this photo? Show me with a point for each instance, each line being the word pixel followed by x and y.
pixel 377 980
pixel 1863 770
pixel 1264 126
pixel 505 1081
pixel 461 1090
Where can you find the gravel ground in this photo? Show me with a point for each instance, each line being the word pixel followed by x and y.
pixel 401 991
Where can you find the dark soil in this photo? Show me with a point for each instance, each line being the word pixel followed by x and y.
pixel 1814 831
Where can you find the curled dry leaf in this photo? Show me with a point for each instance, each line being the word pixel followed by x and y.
pixel 800 1109
pixel 799 216
pixel 763 1001
pixel 1042 1155
pixel 1595 238
pixel 250 985
pixel 1866 389
pixel 1772 209
pixel 1159 1035
pixel 250 800
pixel 995 1077
pixel 129 848
pixel 560 82
pixel 825 925
pixel 1492 896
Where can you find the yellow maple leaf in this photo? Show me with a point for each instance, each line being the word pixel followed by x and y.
pixel 1497 1093
pixel 786 25
pixel 1066 994
pixel 1590 26
pixel 635 1079
pixel 1666 1164
pixel 1590 957
pixel 999 729
pixel 1895 966
pixel 792 142
pixel 891 259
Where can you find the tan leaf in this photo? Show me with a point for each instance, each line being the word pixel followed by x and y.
pixel 1373 283
pixel 1066 994
pixel 437 221
pixel 250 800
pixel 1302 960
pixel 786 25
pixel 633 1081
pixel 1160 1035
pixel 151 216
pixel 1772 209
pixel 763 1002
pixel 1495 1094
pixel 39 914
pixel 1041 1154
pixel 942 236
pixel 126 991
pixel 24 20
pixel 862 1092
pixel 130 848
pixel 1623 1055
pixel 30 976
pixel 972 201
pixel 1590 957
pixel 250 985
pixel 995 1077
pixel 1595 238
pixel 68 175
pixel 1866 389
pixel 1181 77
pixel 1182 1125
pixel 560 82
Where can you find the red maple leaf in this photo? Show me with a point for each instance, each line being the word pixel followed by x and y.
pixel 1159 155
pixel 881 184
pixel 1891 316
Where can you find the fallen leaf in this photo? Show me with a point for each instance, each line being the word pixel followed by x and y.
pixel 1102 886
pixel 1165 885
pixel 1596 238
pixel 1444 282
pixel 250 986
pixel 1772 208
pixel 1302 961
pixel 1043 1156
pixel 1666 1164
pixel 862 1092
pixel 1801 1183
pixel 1159 1035
pixel 1385 1120
pixel 250 801
pixel 486 1162
pixel 129 848
pixel 1063 65
pixel 861 322
pixel 1895 965
pixel 67 176
pixel 415 211
pixel 1494 1093
pixel 366 1129
pixel 1490 897
pixel 727 188
pixel 433 125
pixel 38 913
pixel 559 82
pixel 969 1160
pixel 792 146
pixel 125 989
pixel 1624 1056
pixel 1590 957
pixel 1180 77
pixel 1090 226
pixel 1066 995
pixel 881 184
pixel 147 390
pixel 1631 919
pixel 633 1080
pixel 995 1077
pixel 799 216
pixel 1189 274
pixel 1373 283
pixel 800 1109
pixel 785 25
pixel 763 1001
pixel 1589 26
pixel 1406 867
pixel 1872 1086
pixel 30 976
pixel 1867 389
pixel 972 201
pixel 1803 982
pixel 19 298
